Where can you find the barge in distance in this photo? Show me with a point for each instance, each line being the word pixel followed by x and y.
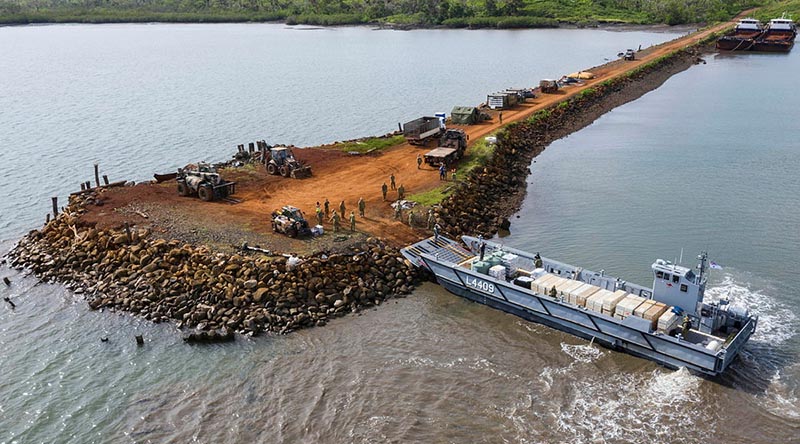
pixel 668 323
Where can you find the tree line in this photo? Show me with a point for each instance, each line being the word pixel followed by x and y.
pixel 454 13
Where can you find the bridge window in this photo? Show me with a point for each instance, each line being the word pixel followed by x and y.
pixel 676 278
pixel 660 274
pixel 684 288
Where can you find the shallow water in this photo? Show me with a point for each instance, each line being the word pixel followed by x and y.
pixel 674 169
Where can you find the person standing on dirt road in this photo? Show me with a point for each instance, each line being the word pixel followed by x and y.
pixel 401 192
pixel 398 211
pixel 391 182
pixel 361 206
pixel 430 218
pixel 327 207
pixel 442 172
pixel 419 161
pixel 335 219
pixel 352 221
pixel 501 117
pixel 411 219
pixel 342 208
pixel 319 215
pixel 384 189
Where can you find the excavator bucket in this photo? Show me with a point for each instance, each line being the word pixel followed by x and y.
pixel 301 173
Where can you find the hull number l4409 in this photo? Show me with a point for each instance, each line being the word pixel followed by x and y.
pixel 482 285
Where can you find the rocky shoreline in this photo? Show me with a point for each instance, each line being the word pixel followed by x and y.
pixel 216 294
pixel 493 193
pixel 130 270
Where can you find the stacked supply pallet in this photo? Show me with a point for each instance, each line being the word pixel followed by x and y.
pixel 568 287
pixel 610 302
pixel 668 322
pixel 579 295
pixel 643 307
pixel 595 301
pixel 540 285
pixel 653 314
pixel 627 306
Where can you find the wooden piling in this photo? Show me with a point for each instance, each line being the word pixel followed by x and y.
pixel 83 186
pixel 13 306
pixel 128 231
pixel 139 340
pixel 252 147
pixel 105 179
pixel 97 175
pixel 55 207
pixel 7 281
pixel 47 219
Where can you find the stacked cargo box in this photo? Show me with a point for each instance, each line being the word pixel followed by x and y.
pixel 626 306
pixel 610 302
pixel 643 307
pixel 668 321
pixel 580 294
pixel 595 301
pixel 497 272
pixel 654 313
pixel 568 287
pixel 545 283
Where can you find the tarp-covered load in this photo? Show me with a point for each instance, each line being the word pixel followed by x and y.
pixel 583 75
pixel 464 115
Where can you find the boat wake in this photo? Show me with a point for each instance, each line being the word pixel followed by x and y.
pixel 776 322
pixel 633 408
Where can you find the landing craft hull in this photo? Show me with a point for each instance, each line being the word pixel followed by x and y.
pixel 561 315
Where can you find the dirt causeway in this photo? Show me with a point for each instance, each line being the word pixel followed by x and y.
pixel 337 176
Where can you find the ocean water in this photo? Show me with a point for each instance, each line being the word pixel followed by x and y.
pixel 707 161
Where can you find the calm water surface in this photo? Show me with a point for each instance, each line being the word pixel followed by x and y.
pixel 706 161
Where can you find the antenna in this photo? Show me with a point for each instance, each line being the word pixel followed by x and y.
pixel 681 259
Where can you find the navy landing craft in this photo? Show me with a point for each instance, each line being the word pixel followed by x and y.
pixel 668 323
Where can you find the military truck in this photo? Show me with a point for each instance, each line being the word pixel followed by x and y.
pixel 290 221
pixel 452 145
pixel 203 181
pixel 418 131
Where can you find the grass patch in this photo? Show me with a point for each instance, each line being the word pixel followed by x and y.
pixel 476 156
pixel 434 196
pixel 370 144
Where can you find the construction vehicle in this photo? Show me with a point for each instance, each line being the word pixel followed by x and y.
pixel 418 131
pixel 203 181
pixel 629 55
pixel 281 160
pixel 452 145
pixel 290 221
pixel 548 86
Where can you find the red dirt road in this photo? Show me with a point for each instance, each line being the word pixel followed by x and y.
pixel 337 176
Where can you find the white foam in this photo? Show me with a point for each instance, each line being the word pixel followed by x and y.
pixel 633 408
pixel 781 399
pixel 584 353
pixel 776 322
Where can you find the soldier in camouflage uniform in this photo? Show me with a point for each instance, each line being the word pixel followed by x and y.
pixel 362 206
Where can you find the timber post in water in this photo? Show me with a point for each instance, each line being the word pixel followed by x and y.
pixel 55 207
pixel 97 175
pixel 105 179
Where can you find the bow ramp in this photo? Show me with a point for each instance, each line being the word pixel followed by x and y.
pixel 441 248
